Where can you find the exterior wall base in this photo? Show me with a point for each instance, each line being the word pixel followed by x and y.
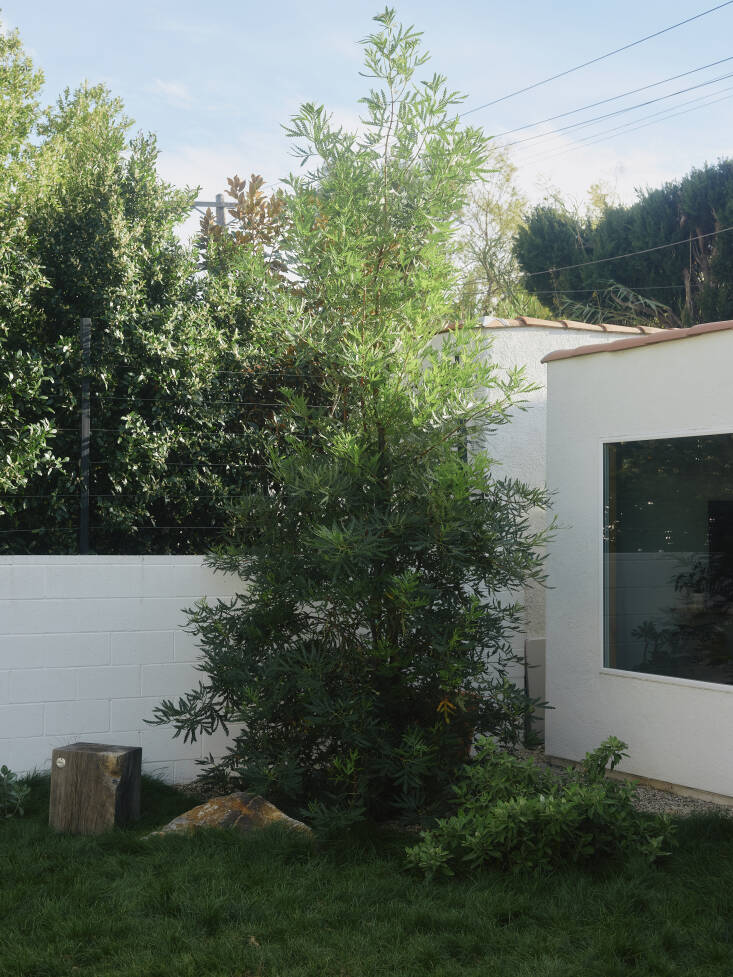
pixel 664 785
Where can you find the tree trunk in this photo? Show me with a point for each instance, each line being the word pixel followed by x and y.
pixel 94 787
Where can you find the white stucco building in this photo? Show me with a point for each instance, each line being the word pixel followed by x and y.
pixel 631 429
pixel 640 610
pixel 520 446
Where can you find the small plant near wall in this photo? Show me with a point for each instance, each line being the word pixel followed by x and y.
pixel 13 794
pixel 514 813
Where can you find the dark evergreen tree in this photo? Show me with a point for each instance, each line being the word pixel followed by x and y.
pixel 371 637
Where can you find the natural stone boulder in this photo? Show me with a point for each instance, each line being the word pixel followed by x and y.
pixel 241 811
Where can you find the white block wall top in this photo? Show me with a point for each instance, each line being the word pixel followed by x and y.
pixel 89 645
pixel 676 385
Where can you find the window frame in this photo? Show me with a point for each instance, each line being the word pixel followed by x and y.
pixel 641 434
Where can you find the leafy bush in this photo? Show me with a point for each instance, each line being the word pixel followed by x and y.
pixel 515 813
pixel 13 793
pixel 372 634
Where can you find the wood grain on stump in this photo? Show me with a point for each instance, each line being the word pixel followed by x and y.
pixel 94 787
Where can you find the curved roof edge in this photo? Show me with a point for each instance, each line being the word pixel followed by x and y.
pixel 660 336
pixel 490 322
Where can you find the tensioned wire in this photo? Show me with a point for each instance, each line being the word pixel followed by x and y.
pixel 602 57
pixel 710 98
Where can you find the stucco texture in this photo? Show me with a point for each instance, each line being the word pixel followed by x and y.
pixel 677 730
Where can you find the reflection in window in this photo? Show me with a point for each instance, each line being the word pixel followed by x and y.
pixel 668 557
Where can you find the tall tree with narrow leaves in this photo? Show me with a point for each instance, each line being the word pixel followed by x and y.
pixel 370 638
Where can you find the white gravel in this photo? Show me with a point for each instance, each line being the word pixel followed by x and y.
pixel 649 799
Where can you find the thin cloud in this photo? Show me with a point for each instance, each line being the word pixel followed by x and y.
pixel 174 92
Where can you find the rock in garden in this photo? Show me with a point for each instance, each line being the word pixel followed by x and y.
pixel 241 811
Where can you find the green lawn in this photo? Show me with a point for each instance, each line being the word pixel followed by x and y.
pixel 268 905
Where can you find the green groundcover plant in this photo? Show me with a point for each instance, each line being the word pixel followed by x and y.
pixel 13 793
pixel 514 813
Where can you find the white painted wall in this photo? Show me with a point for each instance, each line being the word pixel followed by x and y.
pixel 520 446
pixel 89 645
pixel 678 730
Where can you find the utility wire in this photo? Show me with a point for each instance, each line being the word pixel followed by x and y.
pixel 468 280
pixel 630 254
pixel 613 98
pixel 635 125
pixel 165 399
pixel 599 288
pixel 610 115
pixel 109 529
pixel 602 57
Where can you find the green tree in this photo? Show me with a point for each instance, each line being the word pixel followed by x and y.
pixel 24 427
pixel 178 392
pixel 491 280
pixel 370 639
pixel 676 286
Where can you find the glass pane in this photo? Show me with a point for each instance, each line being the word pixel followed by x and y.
pixel 668 557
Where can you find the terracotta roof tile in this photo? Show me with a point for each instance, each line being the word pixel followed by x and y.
pixel 524 320
pixel 660 336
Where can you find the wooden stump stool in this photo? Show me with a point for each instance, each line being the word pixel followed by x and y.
pixel 94 787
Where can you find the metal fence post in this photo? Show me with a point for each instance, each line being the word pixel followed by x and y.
pixel 86 345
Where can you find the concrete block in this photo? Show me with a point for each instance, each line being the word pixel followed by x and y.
pixel 109 682
pixel 54 650
pixel 42 684
pixel 186 771
pixel 186 647
pixel 141 647
pixel 159 745
pixel 104 614
pixel 124 737
pixel 218 742
pixel 161 771
pixel 132 713
pixel 4 686
pixel 20 582
pixel 27 755
pixel 170 680
pixel 201 581
pixel 87 581
pixel 19 721
pixel 77 718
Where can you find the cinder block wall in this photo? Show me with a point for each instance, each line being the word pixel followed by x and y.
pixel 89 645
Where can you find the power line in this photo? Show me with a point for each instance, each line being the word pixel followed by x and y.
pixel 470 280
pixel 601 288
pixel 630 254
pixel 108 529
pixel 613 98
pixel 165 399
pixel 122 495
pixel 602 57
pixel 610 115
pixel 635 125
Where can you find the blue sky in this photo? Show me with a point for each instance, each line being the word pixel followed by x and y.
pixel 215 81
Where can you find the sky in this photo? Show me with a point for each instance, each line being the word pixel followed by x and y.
pixel 215 82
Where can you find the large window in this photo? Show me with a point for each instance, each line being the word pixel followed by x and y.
pixel 668 557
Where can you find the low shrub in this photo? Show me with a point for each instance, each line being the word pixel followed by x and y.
pixel 514 813
pixel 13 793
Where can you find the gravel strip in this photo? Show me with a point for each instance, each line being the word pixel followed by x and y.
pixel 655 801
pixel 648 799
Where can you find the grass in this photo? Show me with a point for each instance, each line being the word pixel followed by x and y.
pixel 271 905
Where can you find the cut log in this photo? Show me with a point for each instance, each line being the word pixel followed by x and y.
pixel 94 787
